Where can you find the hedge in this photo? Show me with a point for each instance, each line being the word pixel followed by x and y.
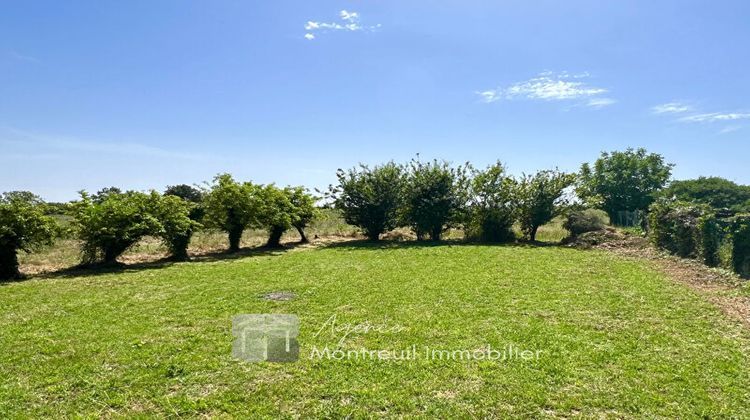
pixel 696 231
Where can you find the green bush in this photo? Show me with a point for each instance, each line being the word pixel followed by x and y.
pixel 113 223
pixel 232 207
pixel 275 214
pixel 740 237
pixel 539 198
pixel 304 209
pixel 580 221
pixel 435 198
pixel 177 225
pixel 185 192
pixel 684 229
pixel 711 235
pixel 370 198
pixel 23 226
pixel 492 208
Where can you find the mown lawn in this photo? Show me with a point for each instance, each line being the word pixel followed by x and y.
pixel 616 338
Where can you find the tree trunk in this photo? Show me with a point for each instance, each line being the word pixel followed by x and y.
pixel 302 237
pixel 235 234
pixel 9 264
pixel 436 233
pixel 532 235
pixel 179 248
pixel 373 236
pixel 113 251
pixel 274 238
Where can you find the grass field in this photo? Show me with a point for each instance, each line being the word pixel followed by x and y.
pixel 615 338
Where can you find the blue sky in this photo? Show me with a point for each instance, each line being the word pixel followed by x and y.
pixel 142 94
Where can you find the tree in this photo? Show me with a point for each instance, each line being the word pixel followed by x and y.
pixel 186 192
pixel 718 193
pixel 539 199
pixel 102 194
pixel 108 227
pixel 623 181
pixel 276 213
pixel 370 198
pixel 492 205
pixel 232 207
pixel 304 209
pixel 23 226
pixel 177 226
pixel 435 197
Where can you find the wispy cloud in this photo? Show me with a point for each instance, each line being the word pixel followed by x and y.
pixel 716 117
pixel 600 102
pixel 46 144
pixel 23 57
pixel 348 21
pixel 549 86
pixel 730 129
pixel 691 115
pixel 671 108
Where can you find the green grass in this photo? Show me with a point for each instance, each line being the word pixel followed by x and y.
pixel 616 338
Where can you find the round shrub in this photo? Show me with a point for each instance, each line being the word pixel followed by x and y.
pixel 586 220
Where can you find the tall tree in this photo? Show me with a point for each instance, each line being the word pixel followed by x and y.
pixel 623 181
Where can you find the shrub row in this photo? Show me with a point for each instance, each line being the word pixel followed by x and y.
pixel 696 231
pixel 431 197
pixel 111 221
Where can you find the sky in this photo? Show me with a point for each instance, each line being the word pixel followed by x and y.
pixel 144 94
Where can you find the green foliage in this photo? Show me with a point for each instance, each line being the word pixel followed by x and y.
pixel 716 192
pixel 710 237
pixel 539 199
pixel 436 196
pixel 23 226
pixel 740 237
pixel 102 194
pixel 492 206
pixel 370 198
pixel 623 181
pixel 679 227
pixel 232 207
pixel 110 226
pixel 578 221
pixel 276 213
pixel 177 226
pixel 185 192
pixel 304 209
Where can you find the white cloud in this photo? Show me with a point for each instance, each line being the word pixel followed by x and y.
pixel 349 22
pixel 715 117
pixel 489 96
pixel 730 129
pixel 705 117
pixel 549 86
pixel 600 102
pixel 350 16
pixel 671 108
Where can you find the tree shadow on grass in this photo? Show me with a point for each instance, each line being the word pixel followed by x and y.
pixel 118 268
